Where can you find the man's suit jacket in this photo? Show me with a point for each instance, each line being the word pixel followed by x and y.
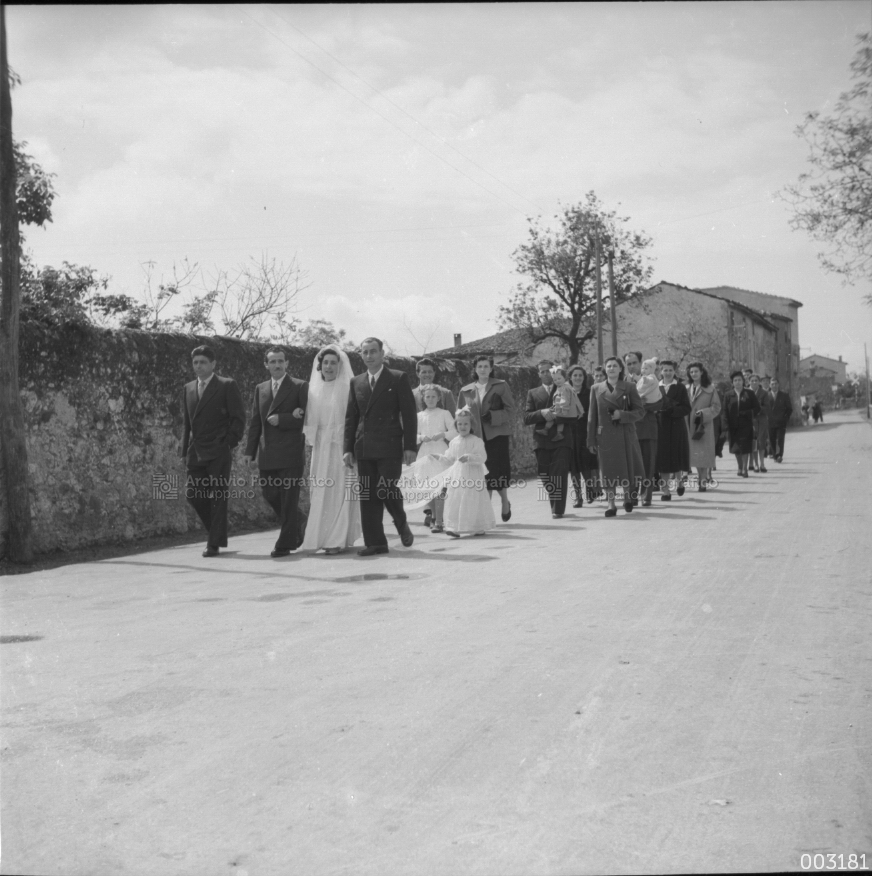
pixel 782 408
pixel 538 400
pixel 280 446
pixel 381 423
pixel 213 422
pixel 448 401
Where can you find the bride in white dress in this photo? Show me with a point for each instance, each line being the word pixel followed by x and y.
pixel 334 513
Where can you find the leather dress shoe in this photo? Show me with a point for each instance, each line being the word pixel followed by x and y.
pixel 646 503
pixel 556 516
pixel 507 515
pixel 210 551
pixel 666 497
pixel 578 503
pixel 628 507
pixel 611 512
pixel 278 553
pixel 680 490
pixel 763 469
pixel 406 536
pixel 372 550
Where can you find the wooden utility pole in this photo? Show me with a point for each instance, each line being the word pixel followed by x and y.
pixel 13 446
pixel 599 301
pixel 868 400
pixel 612 316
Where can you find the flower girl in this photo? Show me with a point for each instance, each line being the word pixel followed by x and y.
pixel 435 430
pixel 467 505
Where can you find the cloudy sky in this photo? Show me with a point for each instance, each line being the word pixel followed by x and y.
pixel 397 151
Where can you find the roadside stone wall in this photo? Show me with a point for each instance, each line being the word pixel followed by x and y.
pixel 103 416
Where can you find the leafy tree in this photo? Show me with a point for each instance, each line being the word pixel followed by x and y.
pixel 319 333
pixel 34 190
pixel 74 294
pixel 557 299
pixel 833 200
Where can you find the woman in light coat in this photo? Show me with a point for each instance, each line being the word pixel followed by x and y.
pixel 615 407
pixel 493 410
pixel 705 407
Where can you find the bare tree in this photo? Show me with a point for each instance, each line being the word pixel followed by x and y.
pixel 428 332
pixel 258 300
pixel 696 340
pixel 833 200
pixel 167 291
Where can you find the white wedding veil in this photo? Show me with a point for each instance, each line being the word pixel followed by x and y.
pixel 328 400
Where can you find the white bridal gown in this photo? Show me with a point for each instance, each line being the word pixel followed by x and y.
pixel 334 512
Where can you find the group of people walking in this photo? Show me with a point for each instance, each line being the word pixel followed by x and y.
pixel 377 444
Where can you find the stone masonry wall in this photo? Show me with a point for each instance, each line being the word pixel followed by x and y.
pixel 103 418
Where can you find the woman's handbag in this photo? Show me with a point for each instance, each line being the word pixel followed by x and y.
pixel 699 429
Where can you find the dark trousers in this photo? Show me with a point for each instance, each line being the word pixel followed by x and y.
pixel 281 489
pixel 645 486
pixel 378 490
pixel 207 490
pixel 553 470
pixel 776 441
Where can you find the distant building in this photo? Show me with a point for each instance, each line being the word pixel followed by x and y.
pixel 724 327
pixel 823 366
pixel 784 313
pixel 675 322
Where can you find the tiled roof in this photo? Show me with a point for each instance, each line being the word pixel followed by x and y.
pixel 709 293
pixel 715 289
pixel 504 343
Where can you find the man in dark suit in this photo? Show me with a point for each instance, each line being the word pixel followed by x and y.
pixel 214 424
pixel 553 451
pixel 646 432
pixel 275 436
pixel 381 427
pixel 779 417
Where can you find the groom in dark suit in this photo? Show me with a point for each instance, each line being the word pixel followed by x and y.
pixel 381 427
pixel 214 424
pixel 275 437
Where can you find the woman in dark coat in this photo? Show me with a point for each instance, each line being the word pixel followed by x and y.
pixel 737 416
pixel 673 445
pixel 582 463
pixel 615 408
pixel 493 408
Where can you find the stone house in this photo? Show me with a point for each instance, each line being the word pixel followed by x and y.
pixel 823 366
pixel 724 327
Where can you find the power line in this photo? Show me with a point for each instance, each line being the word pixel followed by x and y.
pixel 712 212
pixel 405 112
pixel 382 115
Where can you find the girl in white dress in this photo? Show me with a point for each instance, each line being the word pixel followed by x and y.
pixel 334 516
pixel 435 430
pixel 467 505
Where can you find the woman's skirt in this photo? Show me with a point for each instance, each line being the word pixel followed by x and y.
pixel 499 463
pixel 742 437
